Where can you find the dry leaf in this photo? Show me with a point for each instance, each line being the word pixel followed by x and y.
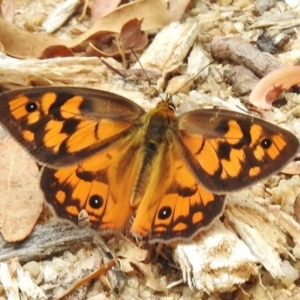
pixel 7 10
pixel 154 14
pixel 56 51
pixel 11 37
pixel 130 255
pixel 272 85
pixel 131 37
pixel 293 168
pixel 177 8
pixel 21 200
pixel 242 79
pixel 110 45
pixel 101 8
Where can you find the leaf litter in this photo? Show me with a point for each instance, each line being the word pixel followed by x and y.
pixel 262 204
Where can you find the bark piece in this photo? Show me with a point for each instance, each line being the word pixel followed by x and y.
pixel 240 52
pixel 242 79
pixel 44 241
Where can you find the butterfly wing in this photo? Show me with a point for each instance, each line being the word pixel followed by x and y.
pixel 228 151
pixel 175 205
pixel 63 125
pixel 101 184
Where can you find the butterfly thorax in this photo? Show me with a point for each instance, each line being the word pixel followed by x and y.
pixel 159 122
pixel 159 131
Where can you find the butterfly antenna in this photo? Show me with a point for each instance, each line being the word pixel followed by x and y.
pixel 112 68
pixel 148 78
pixel 169 97
pixel 138 60
pixel 191 79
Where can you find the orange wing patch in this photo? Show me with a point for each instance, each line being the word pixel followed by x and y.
pixel 79 187
pixel 232 150
pixel 178 210
pixel 62 125
pixel 101 184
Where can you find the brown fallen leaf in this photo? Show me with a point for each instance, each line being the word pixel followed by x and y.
pixel 293 168
pixel 272 85
pixel 21 200
pixel 56 51
pixel 131 36
pixel 111 45
pixel 177 8
pixel 11 37
pixel 101 8
pixel 154 14
pixel 7 10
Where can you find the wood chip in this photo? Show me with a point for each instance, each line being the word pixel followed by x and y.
pixel 46 240
pixel 243 53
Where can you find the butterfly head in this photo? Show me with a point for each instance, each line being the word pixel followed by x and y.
pixel 167 104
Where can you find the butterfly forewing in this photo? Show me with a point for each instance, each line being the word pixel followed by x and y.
pixel 228 151
pixel 63 125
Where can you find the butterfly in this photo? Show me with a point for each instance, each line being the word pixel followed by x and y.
pixel 104 154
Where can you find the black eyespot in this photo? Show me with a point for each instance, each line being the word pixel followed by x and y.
pixel 96 201
pixel 31 107
pixel 164 213
pixel 266 143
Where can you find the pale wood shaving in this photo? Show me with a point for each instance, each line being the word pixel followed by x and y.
pixel 9 282
pixel 28 288
pixel 176 39
pixel 278 20
pixel 290 226
pixel 256 228
pixel 60 14
pixel 216 261
pixel 72 71
pixel 198 62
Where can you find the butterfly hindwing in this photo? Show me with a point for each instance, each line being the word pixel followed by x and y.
pixel 63 125
pixel 228 151
pixel 176 207
pixel 101 184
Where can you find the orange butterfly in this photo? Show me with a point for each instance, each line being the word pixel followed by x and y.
pixel 105 154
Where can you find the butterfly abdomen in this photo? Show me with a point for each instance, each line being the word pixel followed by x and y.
pixel 158 135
